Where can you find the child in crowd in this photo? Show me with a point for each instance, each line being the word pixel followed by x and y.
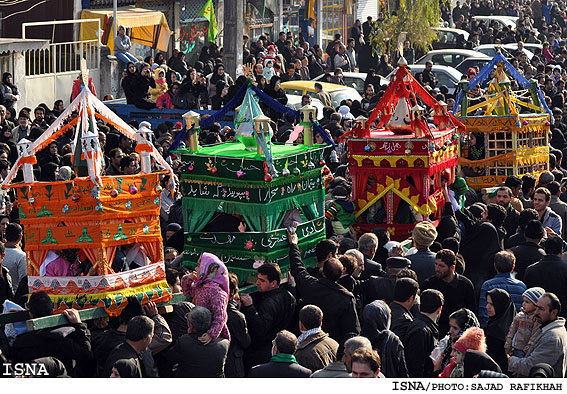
pixel 341 211
pixel 208 285
pixel 524 327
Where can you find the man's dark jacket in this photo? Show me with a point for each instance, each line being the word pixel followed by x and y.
pixel 197 360
pixel 457 294
pixel 340 319
pixel 421 339
pixel 125 352
pixel 526 254
pixel 270 313
pixel 66 343
pixel 279 370
pixel 551 274
pixel 401 320
pixel 239 340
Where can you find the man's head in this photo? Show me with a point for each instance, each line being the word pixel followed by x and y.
pixel 269 277
pixel 428 65
pixel 528 184
pixel 13 233
pixel 368 244
pixel 116 155
pixel 350 264
pixel 357 254
pixel 431 302
pixel 351 346
pixel 172 278
pixel 405 291
pixel 365 363
pixel 310 317
pixel 128 165
pixel 140 332
pixel 424 234
pixel 169 254
pixel 554 188
pixel 445 264
pixel 326 249
pixel 200 320
pixel 534 231
pixel 496 214
pixel 285 343
pixel 542 198
pixel 504 261
pixel 396 264
pixel 318 87
pixel 332 269
pixel 548 308
pixel 503 196
pixel 40 305
pixel 38 112
pixel 553 245
pixel 369 90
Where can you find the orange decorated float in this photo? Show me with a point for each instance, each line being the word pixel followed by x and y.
pixel 398 155
pixel 92 215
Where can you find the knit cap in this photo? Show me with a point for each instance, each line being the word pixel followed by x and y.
pixel 424 233
pixel 472 339
pixel 533 294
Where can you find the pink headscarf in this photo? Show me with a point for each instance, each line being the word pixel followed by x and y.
pixel 212 269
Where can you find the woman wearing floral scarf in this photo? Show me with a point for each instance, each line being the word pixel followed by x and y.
pixel 208 285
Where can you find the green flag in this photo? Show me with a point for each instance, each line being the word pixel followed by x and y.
pixel 208 11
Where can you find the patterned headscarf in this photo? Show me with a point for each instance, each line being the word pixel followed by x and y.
pixel 212 269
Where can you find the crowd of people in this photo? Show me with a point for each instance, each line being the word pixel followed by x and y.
pixel 481 295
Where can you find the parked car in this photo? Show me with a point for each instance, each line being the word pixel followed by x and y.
pixel 294 102
pixel 501 20
pixel 448 57
pixel 448 38
pixel 476 61
pixel 507 50
pixel 355 80
pixel 338 92
pixel 447 76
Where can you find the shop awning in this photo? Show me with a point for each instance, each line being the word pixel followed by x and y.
pixel 148 27
pixel 9 45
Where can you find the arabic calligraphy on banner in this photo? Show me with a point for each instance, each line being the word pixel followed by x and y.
pixel 190 35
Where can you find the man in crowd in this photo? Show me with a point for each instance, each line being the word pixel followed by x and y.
pixel 550 345
pixel 504 198
pixel 270 311
pixel 405 294
pixel 423 335
pixel 283 363
pixel 365 364
pixel 542 199
pixel 423 261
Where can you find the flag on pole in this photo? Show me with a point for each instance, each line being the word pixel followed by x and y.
pixel 208 11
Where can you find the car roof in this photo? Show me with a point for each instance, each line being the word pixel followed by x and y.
pixel 458 51
pixel 436 68
pixel 453 30
pixel 310 85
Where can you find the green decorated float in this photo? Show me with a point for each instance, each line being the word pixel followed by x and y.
pixel 268 187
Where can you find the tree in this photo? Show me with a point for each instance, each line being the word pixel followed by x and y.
pixel 413 21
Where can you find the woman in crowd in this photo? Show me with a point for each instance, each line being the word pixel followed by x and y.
pixel 501 312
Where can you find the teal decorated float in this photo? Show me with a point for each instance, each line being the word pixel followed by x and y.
pixel 268 187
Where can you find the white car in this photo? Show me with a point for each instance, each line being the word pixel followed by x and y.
pixel 448 57
pixel 501 20
pixel 447 76
pixel 507 50
pixel 448 38
pixel 355 80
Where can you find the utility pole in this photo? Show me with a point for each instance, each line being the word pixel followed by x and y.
pixel 233 32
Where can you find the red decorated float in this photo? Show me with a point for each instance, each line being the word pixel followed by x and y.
pixel 397 157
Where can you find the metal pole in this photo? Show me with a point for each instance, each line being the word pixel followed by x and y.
pixel 234 29
pixel 114 12
pixel 319 17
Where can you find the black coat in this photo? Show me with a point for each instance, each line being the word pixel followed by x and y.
pixel 551 274
pixel 340 319
pixel 371 268
pixel 239 340
pixel 527 254
pixel 457 294
pixel 66 343
pixel 479 244
pixel 391 351
pixel 127 353
pixel 511 222
pixel 5 286
pixel 270 313
pixel 279 370
pixel 197 360
pixel 421 339
pixel 400 320
pixel 378 288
